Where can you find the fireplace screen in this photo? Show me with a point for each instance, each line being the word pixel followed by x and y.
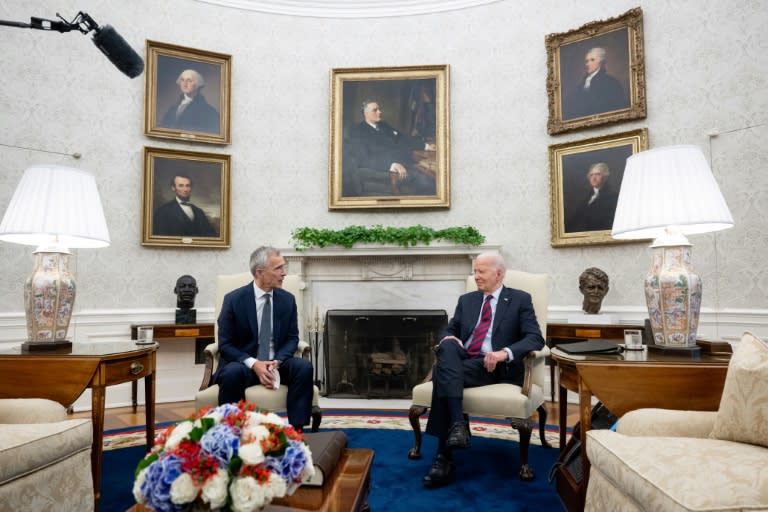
pixel 379 353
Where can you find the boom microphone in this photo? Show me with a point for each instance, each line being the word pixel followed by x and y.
pixel 118 51
pixel 105 38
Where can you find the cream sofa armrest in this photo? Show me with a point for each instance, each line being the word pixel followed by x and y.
pixel 667 423
pixel 31 410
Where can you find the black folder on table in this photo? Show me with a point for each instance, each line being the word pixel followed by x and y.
pixel 591 347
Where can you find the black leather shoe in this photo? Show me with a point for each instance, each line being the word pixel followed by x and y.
pixel 441 473
pixel 458 436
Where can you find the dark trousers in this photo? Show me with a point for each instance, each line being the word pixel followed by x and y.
pixel 295 373
pixel 454 371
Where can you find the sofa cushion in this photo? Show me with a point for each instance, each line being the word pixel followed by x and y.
pixel 27 447
pixel 676 474
pixel 743 412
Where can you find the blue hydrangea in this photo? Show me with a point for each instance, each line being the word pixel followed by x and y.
pixel 292 464
pixel 228 409
pixel 221 443
pixel 157 483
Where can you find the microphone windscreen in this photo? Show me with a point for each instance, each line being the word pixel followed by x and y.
pixel 118 51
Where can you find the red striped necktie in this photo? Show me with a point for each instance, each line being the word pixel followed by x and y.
pixel 478 335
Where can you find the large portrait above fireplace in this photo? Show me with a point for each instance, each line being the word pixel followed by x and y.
pixel 389 138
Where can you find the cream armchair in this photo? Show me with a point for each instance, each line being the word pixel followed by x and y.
pixel 268 399
pixel 46 458
pixel 671 460
pixel 517 404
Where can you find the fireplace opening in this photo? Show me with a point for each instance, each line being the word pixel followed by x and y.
pixel 379 353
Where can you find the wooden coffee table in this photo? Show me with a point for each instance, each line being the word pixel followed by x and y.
pixel 346 491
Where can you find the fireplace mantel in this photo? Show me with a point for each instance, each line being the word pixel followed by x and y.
pixel 373 276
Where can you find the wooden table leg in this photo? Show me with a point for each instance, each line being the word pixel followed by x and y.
pixel 563 412
pixel 134 391
pixel 149 404
pixel 98 395
pixel 585 412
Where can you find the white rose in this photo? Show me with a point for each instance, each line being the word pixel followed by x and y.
pixel 178 434
pixel 183 490
pixel 247 494
pixel 277 486
pixel 215 490
pixel 255 430
pixel 137 487
pixel 251 453
pixel 270 417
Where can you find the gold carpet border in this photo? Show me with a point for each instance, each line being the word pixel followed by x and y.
pixel 338 421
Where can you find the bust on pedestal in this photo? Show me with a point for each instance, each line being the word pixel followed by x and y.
pixel 186 290
pixel 594 286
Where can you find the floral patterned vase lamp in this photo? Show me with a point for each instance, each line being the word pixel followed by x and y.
pixel 666 194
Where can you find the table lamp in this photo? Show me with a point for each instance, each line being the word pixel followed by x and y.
pixel 667 193
pixel 54 208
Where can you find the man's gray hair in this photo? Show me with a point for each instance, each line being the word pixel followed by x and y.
pixel 496 258
pixel 260 257
pixel 600 166
pixel 365 104
pixel 600 52
pixel 199 80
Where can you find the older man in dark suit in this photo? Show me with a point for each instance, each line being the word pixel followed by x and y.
pixel 179 217
pixel 485 343
pixel 258 337
pixel 378 152
pixel 191 111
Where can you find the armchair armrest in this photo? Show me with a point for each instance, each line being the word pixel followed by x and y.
pixel 31 410
pixel 531 362
pixel 667 423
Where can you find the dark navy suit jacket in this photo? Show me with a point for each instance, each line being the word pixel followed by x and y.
pixel 239 329
pixel 514 326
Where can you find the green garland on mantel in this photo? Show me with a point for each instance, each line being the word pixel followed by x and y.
pixel 306 238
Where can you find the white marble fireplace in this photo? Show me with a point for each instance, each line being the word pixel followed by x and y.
pixel 379 278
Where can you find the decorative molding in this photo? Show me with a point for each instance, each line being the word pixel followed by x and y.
pixel 347 9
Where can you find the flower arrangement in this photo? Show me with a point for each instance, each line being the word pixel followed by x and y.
pixel 231 458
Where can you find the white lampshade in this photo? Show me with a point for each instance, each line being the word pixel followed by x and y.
pixel 665 187
pixel 56 203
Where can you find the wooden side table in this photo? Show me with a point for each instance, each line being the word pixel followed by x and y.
pixel 558 334
pixel 63 375
pixel 203 334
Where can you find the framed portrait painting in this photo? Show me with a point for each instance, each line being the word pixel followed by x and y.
pixel 185 199
pixel 187 94
pixel 584 182
pixel 389 138
pixel 596 74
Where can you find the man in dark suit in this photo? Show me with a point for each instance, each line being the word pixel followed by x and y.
pixel 596 206
pixel 249 354
pixel 191 111
pixel 485 343
pixel 179 217
pixel 379 152
pixel 598 92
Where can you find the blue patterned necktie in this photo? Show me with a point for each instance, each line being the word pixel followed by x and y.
pixel 265 329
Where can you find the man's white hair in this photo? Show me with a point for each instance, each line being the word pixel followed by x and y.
pixel 197 77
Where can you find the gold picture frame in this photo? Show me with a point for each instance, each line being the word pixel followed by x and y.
pixel 596 74
pixel 175 106
pixel 171 180
pixel 405 162
pixel 578 215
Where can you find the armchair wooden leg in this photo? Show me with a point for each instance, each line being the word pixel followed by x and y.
pixel 413 417
pixel 317 416
pixel 542 426
pixel 523 427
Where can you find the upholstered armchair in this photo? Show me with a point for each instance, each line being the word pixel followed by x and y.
pixel 659 459
pixel 517 404
pixel 269 399
pixel 46 457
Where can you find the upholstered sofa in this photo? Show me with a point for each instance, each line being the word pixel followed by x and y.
pixel 45 458
pixel 690 460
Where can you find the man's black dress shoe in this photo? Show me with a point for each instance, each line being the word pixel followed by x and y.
pixel 458 436
pixel 441 473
